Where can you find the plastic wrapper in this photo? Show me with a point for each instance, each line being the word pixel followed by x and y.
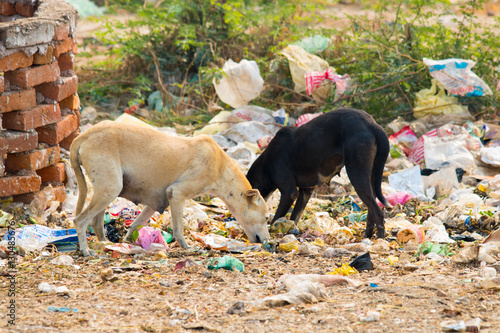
pixel 226 262
pixel 289 246
pixel 290 280
pixel 250 131
pixel 490 155
pixel 308 248
pixel 457 77
pixel 410 234
pixel 241 84
pixel 219 123
pixel 133 249
pixel 428 247
pixel 305 118
pixel 218 242
pixel 253 113
pixel 408 181
pixel 404 139
pixel 282 225
pixel 435 231
pixel 36 237
pixel 344 270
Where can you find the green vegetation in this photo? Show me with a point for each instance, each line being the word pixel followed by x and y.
pixel 178 46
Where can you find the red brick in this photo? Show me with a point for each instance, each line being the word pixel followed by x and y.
pixel 34 75
pixel 25 9
pixel 15 61
pixel 65 46
pixel 33 160
pixel 12 185
pixel 43 59
pixel 17 100
pixel 38 116
pixel 62 31
pixel 7 9
pixel 55 133
pixel 15 142
pixel 2 84
pixel 58 92
pixel 59 194
pixel 66 143
pixel 72 102
pixel 66 61
pixel 53 173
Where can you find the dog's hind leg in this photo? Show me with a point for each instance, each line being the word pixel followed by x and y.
pixel 359 170
pixel 176 199
pixel 98 226
pixel 300 204
pixel 141 220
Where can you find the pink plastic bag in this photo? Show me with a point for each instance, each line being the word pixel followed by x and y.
pixel 148 235
pixel 404 139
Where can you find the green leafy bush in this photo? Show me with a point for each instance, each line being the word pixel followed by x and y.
pixel 178 46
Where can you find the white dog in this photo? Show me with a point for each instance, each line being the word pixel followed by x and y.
pixel 146 166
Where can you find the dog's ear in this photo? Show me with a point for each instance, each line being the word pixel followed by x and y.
pixel 254 195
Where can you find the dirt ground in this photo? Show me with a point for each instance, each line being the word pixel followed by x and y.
pixel 145 293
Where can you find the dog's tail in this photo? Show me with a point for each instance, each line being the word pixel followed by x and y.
pixel 80 178
pixel 379 163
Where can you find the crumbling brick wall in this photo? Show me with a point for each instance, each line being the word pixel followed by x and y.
pixel 38 95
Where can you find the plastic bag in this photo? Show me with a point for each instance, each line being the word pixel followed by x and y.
pixel 226 262
pixel 242 83
pixel 490 155
pixel 408 181
pixel 253 113
pixel 314 44
pixel 427 102
pixel 219 123
pixel 36 237
pixel 456 76
pixel 302 62
pixel 147 236
pixel 438 151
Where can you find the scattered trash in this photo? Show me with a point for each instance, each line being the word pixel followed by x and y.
pixel 184 263
pixel 456 76
pixel 61 309
pixel 49 288
pixel 145 236
pixel 345 269
pixel 430 247
pixel 362 262
pixel 62 260
pixel 370 316
pixel 36 237
pixel 226 262
pixel 241 83
pixel 221 243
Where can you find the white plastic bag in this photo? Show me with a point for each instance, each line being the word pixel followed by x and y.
pixel 242 83
pixel 457 78
pixel 438 150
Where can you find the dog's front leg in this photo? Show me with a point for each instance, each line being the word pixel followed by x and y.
pixel 300 205
pixel 288 196
pixel 177 200
pixel 141 220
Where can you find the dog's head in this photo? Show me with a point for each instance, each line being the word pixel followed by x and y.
pixel 253 221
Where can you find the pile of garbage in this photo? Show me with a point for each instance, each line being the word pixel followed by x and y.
pixel 443 181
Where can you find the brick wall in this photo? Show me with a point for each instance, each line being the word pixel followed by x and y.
pixel 39 105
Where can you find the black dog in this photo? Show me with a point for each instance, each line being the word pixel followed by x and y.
pixel 307 156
